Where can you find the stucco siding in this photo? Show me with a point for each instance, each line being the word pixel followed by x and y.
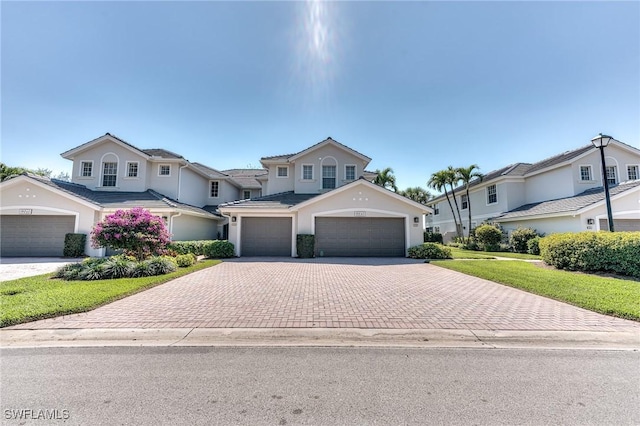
pixel 550 185
pixel 186 228
pixel 328 155
pixel 166 185
pixel 280 184
pixel 547 226
pixel 193 188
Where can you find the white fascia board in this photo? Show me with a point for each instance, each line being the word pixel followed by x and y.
pixel 537 216
pixel 69 155
pixel 27 179
pixel 334 143
pixel 364 182
pixel 248 211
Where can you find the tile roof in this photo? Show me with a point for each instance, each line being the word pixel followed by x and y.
pixel 119 199
pixel 211 172
pixel 285 157
pixel 568 204
pixel 283 200
pixel 158 152
pixel 559 159
pixel 246 178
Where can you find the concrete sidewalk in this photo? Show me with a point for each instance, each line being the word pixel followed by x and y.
pixel 12 268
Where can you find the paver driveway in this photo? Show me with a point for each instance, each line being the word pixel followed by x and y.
pixel 360 293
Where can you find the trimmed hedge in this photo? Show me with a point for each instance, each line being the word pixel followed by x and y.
pixel 74 245
pixel 186 247
pixel 432 237
pixel 218 249
pixel 489 237
pixel 617 252
pixel 520 238
pixel 305 245
pixel 430 251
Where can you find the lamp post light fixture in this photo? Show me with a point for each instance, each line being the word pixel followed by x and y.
pixel 600 142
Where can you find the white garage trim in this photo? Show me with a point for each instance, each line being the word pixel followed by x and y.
pixel 50 209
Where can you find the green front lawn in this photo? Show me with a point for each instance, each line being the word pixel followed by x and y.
pixel 610 296
pixel 459 253
pixel 39 297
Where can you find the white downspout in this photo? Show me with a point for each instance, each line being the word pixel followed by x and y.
pixel 180 181
pixel 171 222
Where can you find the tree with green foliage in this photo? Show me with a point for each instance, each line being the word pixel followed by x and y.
pixel 417 194
pixel 136 231
pixel 439 181
pixel 489 237
pixel 466 175
pixel 386 179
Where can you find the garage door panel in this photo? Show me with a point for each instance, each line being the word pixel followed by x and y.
pixel 621 225
pixel 266 236
pixel 366 237
pixel 34 235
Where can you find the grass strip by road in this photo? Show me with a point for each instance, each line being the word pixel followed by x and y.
pixel 609 296
pixel 40 297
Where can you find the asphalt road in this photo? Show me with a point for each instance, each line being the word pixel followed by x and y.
pixel 324 386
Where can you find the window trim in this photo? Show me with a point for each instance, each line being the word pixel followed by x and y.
pixel 137 176
pixel 81 171
pixel 244 194
pixel 312 172
pixel 278 168
pixel 616 176
pixel 211 182
pixel 436 209
pixel 160 166
pixel 115 184
pixel 637 166
pixel 355 172
pixel 462 207
pixel 487 194
pixel 591 176
pixel 335 176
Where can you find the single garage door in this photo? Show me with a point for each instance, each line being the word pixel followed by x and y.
pixel 621 225
pixel 354 236
pixel 266 236
pixel 34 235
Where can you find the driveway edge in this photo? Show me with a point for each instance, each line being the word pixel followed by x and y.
pixel 321 337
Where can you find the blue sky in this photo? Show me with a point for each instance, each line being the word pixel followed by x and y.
pixel 416 86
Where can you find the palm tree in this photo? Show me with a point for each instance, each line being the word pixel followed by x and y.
pixel 439 181
pixel 417 194
pixel 386 179
pixel 453 179
pixel 466 175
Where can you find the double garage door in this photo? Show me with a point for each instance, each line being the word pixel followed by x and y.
pixel 621 225
pixel 334 236
pixel 354 236
pixel 34 235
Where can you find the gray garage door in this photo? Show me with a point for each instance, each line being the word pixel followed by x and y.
pixel 621 225
pixel 266 236
pixel 34 235
pixel 353 236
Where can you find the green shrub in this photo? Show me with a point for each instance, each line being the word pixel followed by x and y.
pixel 160 265
pixel 118 267
pixel 69 272
pixel 430 251
pixel 519 239
pixel 533 246
pixel 185 247
pixel 305 245
pixel 74 245
pixel 218 249
pixel 489 237
pixel 92 271
pixel 616 252
pixel 432 237
pixel 186 260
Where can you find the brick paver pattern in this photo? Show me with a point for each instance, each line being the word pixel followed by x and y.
pixel 332 293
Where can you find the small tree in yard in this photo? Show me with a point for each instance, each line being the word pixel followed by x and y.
pixel 136 231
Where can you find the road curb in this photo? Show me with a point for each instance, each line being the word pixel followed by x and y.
pixel 321 337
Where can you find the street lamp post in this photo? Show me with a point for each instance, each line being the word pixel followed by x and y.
pixel 600 142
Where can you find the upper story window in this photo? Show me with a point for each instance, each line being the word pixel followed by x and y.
pixel 585 173
pixel 86 169
pixel 214 189
pixel 612 175
pixel 492 194
pixel 282 172
pixel 109 174
pixel 164 170
pixel 307 171
pixel 350 172
pixel 246 195
pixel 632 172
pixel 328 177
pixel 436 209
pixel 132 169
pixel 464 201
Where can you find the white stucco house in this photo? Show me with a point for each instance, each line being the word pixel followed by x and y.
pixel 318 190
pixel 563 193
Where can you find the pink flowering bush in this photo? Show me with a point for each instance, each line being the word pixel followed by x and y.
pixel 137 232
